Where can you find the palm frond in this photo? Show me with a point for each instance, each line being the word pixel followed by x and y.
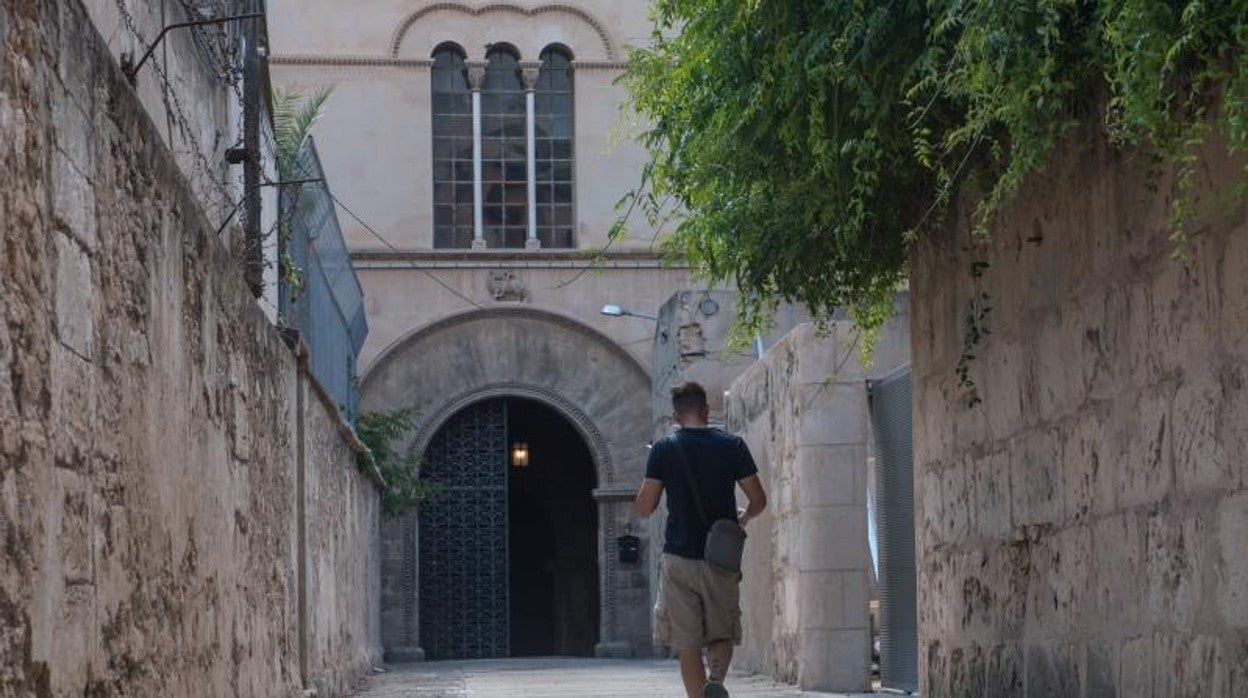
pixel 294 115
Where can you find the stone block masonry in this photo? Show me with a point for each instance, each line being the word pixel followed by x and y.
pixel 1084 531
pixel 151 433
pixel 802 410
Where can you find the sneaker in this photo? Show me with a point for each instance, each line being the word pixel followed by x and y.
pixel 715 689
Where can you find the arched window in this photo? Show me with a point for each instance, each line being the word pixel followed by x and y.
pixel 452 149
pixel 503 151
pixel 517 118
pixel 555 224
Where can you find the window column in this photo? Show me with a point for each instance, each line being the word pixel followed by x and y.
pixel 530 71
pixel 476 76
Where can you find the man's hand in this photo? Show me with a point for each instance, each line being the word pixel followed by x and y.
pixel 753 489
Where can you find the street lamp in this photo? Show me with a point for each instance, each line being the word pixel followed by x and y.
pixel 616 311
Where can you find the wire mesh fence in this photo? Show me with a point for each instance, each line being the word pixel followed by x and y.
pixel 320 295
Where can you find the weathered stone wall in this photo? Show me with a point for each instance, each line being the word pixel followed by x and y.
pixel 180 86
pixel 148 443
pixel 1084 531
pixel 343 565
pixel 803 411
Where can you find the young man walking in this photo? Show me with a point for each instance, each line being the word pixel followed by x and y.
pixel 699 604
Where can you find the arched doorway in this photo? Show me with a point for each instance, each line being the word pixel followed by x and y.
pixel 442 369
pixel 508 549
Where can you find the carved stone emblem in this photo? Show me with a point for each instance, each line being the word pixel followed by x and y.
pixel 506 285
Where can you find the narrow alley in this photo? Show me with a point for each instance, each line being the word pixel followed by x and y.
pixel 551 677
pixel 489 348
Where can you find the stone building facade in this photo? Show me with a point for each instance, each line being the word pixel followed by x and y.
pixel 482 244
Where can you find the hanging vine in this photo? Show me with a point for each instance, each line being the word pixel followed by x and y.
pixel 808 144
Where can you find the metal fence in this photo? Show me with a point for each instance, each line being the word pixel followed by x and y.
pixel 320 293
pixel 894 511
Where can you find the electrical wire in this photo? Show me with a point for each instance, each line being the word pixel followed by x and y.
pixel 395 249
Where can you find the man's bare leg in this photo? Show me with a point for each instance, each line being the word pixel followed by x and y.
pixel 692 672
pixel 719 656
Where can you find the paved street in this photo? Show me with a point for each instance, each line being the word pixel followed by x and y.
pixel 553 677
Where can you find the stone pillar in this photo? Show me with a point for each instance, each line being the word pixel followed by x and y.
pixel 831 469
pixel 530 70
pixel 623 590
pixel 400 583
pixel 802 410
pixel 476 76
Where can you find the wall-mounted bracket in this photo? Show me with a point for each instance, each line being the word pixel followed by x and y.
pixel 132 71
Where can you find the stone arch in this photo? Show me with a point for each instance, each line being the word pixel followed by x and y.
pixel 575 369
pixel 426 428
pixel 449 365
pixel 580 15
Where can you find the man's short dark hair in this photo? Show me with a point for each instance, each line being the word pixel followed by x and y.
pixel 688 398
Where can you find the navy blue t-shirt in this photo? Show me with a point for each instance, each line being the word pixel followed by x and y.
pixel 718 460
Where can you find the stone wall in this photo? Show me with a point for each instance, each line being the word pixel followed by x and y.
pixel 342 573
pixel 148 441
pixel 803 412
pixel 181 88
pixel 1084 531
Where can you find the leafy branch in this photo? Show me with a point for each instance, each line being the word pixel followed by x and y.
pixel 404 490
pixel 808 144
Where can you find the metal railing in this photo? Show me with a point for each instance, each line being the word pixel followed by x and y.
pixel 320 294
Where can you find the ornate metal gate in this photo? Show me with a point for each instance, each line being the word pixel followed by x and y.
pixel 463 538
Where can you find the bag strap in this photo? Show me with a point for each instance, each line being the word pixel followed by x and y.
pixel 683 457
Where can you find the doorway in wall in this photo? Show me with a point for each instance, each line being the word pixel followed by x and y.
pixel 509 549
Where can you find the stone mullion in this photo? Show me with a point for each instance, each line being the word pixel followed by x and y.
pixel 476 76
pixel 530 70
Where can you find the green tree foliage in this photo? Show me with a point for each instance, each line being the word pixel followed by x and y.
pixel 804 145
pixel 294 115
pixel 403 490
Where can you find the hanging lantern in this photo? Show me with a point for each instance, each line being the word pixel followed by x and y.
pixel 520 455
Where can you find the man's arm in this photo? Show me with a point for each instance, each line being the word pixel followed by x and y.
pixel 648 497
pixel 753 488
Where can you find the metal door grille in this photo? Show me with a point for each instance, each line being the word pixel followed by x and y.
pixel 463 538
pixel 894 511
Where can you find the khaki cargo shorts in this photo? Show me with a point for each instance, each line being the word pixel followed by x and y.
pixel 697 605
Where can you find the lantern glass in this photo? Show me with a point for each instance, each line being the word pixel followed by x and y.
pixel 520 455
